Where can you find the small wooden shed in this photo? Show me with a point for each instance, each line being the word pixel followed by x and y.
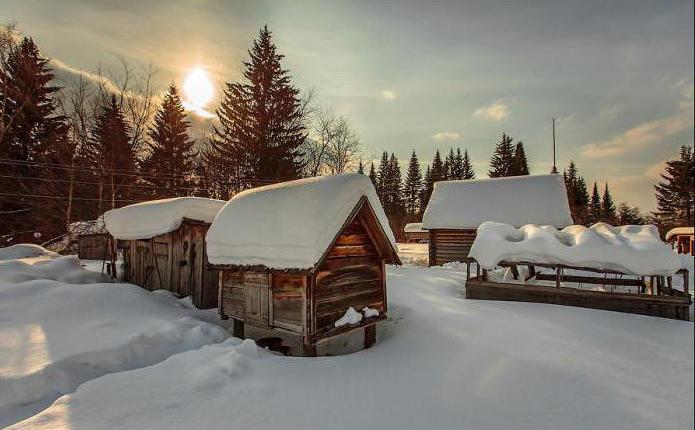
pixel 303 263
pixel 682 239
pixel 162 244
pixel 92 240
pixel 457 208
pixel 414 233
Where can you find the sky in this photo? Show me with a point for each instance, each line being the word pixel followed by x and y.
pixel 422 75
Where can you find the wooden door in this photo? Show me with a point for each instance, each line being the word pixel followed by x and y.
pixel 256 291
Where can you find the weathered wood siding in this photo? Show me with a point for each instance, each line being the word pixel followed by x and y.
pixel 642 304
pixel 288 301
pixel 351 276
pixel 93 246
pixel 417 236
pixel 450 245
pixel 176 262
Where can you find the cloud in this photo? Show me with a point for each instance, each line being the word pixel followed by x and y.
pixel 93 77
pixel 639 137
pixel 446 136
pixel 388 95
pixel 495 112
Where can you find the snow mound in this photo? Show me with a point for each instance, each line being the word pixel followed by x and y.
pixel 149 219
pixel 516 200
pixel 414 227
pixel 25 250
pixel 96 226
pixel 288 225
pixel 633 249
pixel 61 325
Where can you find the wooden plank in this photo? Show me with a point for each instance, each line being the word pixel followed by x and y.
pixel 348 275
pixel 353 239
pixel 341 251
pixel 345 263
pixel 591 280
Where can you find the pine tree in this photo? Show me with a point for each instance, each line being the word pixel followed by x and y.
pixel 519 162
pixel 382 177
pixel 674 193
pixel 594 215
pixel 437 172
pixel 427 188
pixel 467 171
pixel 413 188
pixel 261 128
pixel 608 211
pixel 360 168
pixel 31 130
pixel 503 158
pixel 577 194
pixel 171 158
pixel 372 175
pixel 449 168
pixel 111 153
pixel 630 216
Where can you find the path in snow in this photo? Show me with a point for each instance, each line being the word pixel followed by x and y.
pixel 440 362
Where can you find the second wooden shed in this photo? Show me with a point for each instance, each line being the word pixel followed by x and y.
pixel 457 208
pixel 162 243
pixel 302 263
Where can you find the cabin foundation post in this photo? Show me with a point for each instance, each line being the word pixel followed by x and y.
pixel 686 286
pixel 309 350
pixel 238 329
pixel 369 336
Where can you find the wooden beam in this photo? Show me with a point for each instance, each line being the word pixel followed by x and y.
pixel 369 335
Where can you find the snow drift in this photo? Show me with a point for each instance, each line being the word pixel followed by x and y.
pixel 149 219
pixel 288 225
pixel 516 200
pixel 633 249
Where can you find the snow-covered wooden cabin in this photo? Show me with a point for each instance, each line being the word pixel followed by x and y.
pixel 415 233
pixel 92 240
pixel 682 239
pixel 302 263
pixel 163 246
pixel 457 208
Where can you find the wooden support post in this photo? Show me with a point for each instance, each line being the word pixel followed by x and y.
pixel 468 269
pixel 238 329
pixel 477 270
pixel 309 350
pixel 515 271
pixel 558 276
pixel 686 285
pixel 484 274
pixel 531 271
pixel 669 285
pixel 369 335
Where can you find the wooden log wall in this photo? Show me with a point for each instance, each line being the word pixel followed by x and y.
pixel 93 246
pixel 351 276
pixel 450 245
pixel 674 307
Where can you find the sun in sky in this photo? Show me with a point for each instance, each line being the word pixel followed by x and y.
pixel 198 91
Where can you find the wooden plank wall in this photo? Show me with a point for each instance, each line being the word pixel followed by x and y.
pixel 450 245
pixel 351 276
pixel 92 246
pixel 642 304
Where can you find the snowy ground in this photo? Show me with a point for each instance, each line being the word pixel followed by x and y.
pixel 413 254
pixel 440 362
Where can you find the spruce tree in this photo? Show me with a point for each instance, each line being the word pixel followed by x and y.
pixel 382 177
pixel 608 211
pixel 360 168
pixel 260 129
pixel 594 215
pixel 111 154
pixel 170 161
pixel 427 188
pixel 577 194
pixel 630 215
pixel 519 163
pixel 413 188
pixel 675 192
pixel 503 158
pixel 372 175
pixel 437 172
pixel 467 171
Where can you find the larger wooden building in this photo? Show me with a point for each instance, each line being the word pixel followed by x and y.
pixel 91 239
pixel 457 208
pixel 302 264
pixel 162 244
pixel 682 239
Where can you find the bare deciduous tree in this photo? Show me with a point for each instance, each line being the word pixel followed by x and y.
pixel 333 147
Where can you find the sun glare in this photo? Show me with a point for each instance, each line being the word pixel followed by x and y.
pixel 198 91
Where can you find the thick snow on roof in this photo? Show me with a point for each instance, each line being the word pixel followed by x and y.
pixel 414 227
pixel 634 249
pixel 679 230
pixel 517 200
pixel 148 219
pixel 288 225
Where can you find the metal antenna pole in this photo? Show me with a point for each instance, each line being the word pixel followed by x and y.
pixel 554 161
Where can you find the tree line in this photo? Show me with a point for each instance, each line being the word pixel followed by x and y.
pixel 109 139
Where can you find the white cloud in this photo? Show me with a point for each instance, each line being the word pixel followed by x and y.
pixel 495 112
pixel 388 95
pixel 446 136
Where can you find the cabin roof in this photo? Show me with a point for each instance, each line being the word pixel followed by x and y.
pixel 152 218
pixel 414 227
pixel 632 249
pixel 517 200
pixel 292 224
pixel 680 230
pixel 81 228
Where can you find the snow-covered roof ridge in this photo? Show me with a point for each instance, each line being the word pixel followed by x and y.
pixel 633 249
pixel 515 200
pixel 679 230
pixel 79 228
pixel 413 227
pixel 289 225
pixel 152 218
